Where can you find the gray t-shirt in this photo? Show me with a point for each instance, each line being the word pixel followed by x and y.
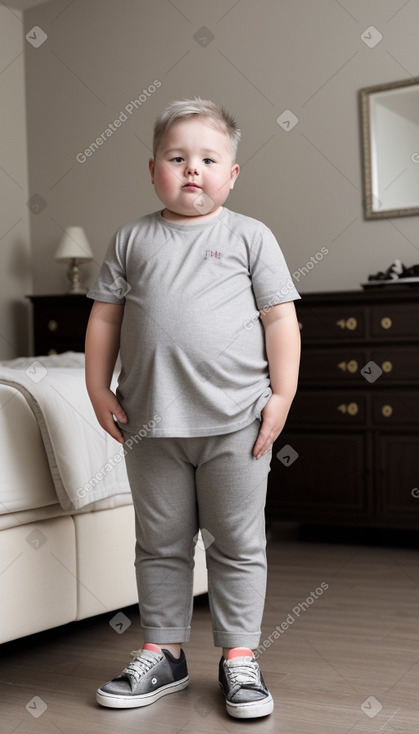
pixel 192 344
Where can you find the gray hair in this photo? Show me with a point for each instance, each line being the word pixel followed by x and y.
pixel 217 117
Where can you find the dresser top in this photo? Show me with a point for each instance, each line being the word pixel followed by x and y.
pixel 381 294
pixel 67 299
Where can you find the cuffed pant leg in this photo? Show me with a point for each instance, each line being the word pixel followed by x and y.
pixel 231 490
pixel 163 490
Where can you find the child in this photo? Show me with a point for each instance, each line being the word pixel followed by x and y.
pixel 204 390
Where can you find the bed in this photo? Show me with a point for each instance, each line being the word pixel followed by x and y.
pixel 66 515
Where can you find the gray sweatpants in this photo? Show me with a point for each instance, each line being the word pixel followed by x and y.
pixel 214 483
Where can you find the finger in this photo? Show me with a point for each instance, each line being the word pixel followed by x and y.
pixel 110 427
pixel 120 414
pixel 261 446
pixel 118 435
pixel 118 411
pixel 263 450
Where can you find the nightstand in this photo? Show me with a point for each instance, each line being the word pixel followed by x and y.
pixel 59 323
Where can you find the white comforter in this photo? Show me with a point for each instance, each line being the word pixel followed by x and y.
pixel 86 463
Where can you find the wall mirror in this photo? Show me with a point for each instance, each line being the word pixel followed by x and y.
pixel 390 132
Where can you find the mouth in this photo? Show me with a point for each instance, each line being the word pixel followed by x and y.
pixel 191 186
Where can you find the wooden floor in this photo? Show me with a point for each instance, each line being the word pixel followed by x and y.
pixel 345 660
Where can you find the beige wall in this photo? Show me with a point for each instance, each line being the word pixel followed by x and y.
pixel 265 57
pixel 15 266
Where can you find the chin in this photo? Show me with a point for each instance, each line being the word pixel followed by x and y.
pixel 184 212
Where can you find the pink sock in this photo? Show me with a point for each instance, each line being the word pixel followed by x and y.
pixel 239 652
pixel 151 648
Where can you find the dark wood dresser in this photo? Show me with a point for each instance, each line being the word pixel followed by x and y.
pixel 59 323
pixel 349 453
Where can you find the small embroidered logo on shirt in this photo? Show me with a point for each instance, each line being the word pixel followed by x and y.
pixel 212 253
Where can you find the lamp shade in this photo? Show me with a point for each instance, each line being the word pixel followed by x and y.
pixel 74 244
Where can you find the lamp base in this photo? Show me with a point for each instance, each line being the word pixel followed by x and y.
pixel 73 274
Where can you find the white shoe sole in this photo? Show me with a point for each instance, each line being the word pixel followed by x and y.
pixel 251 710
pixel 113 701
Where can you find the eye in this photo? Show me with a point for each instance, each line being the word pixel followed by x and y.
pixel 177 159
pixel 208 160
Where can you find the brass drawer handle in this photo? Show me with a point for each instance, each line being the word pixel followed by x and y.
pixel 350 323
pixel 351 366
pixel 52 325
pixel 387 411
pixel 351 408
pixel 387 366
pixel 386 322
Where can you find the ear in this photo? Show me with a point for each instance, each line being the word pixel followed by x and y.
pixel 151 169
pixel 235 170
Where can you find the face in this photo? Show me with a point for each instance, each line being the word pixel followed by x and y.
pixel 193 172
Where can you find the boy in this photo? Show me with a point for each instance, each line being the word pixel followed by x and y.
pixel 204 390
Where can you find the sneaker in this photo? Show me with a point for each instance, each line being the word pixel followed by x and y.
pixel 243 686
pixel 152 674
pixel 395 271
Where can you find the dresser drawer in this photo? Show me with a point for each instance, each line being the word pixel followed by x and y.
pixel 61 323
pixel 391 408
pixel 395 320
pixel 57 346
pixel 397 477
pixel 399 364
pixel 320 407
pixel 343 322
pixel 341 365
pixel 326 477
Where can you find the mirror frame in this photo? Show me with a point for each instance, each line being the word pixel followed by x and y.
pixel 365 95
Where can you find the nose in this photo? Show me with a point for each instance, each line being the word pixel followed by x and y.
pixel 192 170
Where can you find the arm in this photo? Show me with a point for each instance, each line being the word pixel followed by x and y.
pixel 282 338
pixel 102 346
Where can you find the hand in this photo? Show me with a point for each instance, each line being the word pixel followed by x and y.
pixel 274 415
pixel 106 406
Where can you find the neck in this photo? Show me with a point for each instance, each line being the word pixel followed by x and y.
pixel 181 219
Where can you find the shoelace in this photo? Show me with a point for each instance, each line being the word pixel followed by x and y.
pixel 141 664
pixel 244 674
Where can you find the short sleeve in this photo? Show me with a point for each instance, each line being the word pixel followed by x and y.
pixel 111 284
pixel 271 278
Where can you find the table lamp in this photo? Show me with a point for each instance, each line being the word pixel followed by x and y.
pixel 74 249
